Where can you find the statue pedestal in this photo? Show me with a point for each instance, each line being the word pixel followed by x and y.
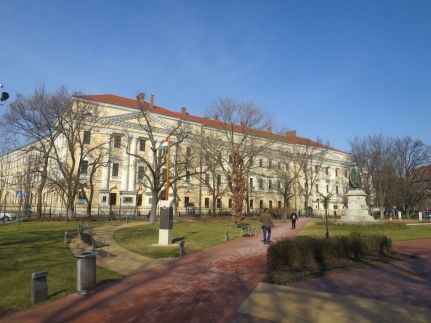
pixel 357 209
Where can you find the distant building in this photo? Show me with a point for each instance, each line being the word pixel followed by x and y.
pixel 118 185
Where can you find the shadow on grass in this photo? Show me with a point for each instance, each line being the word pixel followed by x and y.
pixel 62 291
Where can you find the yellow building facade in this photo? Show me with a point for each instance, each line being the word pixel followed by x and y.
pixel 119 182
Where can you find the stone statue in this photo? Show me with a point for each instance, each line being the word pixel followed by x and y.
pixel 354 177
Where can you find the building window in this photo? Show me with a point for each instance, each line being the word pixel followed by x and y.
pixel 335 206
pixel 207 202
pixel 251 204
pixel 327 170
pixel 83 167
pixel 207 179
pixel 261 204
pixel 139 200
pixel 279 204
pixel 260 163
pixel 141 144
pixel 317 188
pixel 117 141
pixel 115 168
pixel 251 183
pixel 219 203
pixel 141 170
pixel 186 201
pixel 87 137
pixel 127 200
pixel 187 176
pixel 279 185
pixel 188 151
pixel 218 180
pixel 270 204
pixel 230 203
pixel 104 199
pixel 279 165
pixel 336 171
pixel 270 184
pixel 260 183
pixel 336 189
pixel 327 188
pixel 269 164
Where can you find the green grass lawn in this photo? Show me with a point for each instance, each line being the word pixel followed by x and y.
pixel 197 235
pixel 37 246
pixel 394 231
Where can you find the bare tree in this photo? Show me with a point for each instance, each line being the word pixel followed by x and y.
pixel 155 167
pixel 374 154
pixel 95 159
pixel 240 142
pixel 411 156
pixel 287 171
pixel 31 119
pixel 69 149
pixel 310 159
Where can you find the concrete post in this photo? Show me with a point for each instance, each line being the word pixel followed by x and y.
pixel 420 216
pixel 39 287
pixel 399 215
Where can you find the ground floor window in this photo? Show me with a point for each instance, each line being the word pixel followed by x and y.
pixel 207 202
pixel 261 204
pixel 251 204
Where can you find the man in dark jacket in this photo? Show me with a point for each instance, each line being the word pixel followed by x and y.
pixel 293 217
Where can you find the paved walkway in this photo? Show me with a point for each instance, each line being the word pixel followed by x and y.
pixel 395 292
pixel 119 260
pixel 206 286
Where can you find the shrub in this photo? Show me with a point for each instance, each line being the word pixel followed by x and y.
pixel 310 252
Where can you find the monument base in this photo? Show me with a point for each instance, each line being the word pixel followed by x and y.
pixel 357 210
pixel 165 237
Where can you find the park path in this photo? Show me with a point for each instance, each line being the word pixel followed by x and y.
pixel 115 257
pixel 206 286
pixel 399 291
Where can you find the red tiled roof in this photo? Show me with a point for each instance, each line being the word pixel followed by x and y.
pixel 133 103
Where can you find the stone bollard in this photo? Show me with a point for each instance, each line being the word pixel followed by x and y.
pixel 65 237
pixel 399 215
pixel 39 287
pixel 182 249
pixel 420 216
pixel 226 235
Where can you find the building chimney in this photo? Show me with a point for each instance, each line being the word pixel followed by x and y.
pixel 216 117
pixel 291 133
pixel 184 110
pixel 152 100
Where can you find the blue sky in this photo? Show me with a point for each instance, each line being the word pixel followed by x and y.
pixel 333 69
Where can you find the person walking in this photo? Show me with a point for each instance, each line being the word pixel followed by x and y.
pixel 293 217
pixel 267 223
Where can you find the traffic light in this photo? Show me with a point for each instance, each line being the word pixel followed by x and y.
pixel 4 96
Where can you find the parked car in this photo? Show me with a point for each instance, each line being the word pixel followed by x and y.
pixel 7 216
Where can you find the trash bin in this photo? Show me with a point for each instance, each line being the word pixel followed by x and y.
pixel 39 287
pixel 86 272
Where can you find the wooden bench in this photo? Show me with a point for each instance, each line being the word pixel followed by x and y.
pixel 87 237
pixel 246 229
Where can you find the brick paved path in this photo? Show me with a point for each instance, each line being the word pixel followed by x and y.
pixel 398 282
pixel 207 286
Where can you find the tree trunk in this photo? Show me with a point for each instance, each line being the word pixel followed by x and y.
pixel 155 201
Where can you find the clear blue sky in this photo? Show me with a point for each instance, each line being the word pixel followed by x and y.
pixel 334 69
